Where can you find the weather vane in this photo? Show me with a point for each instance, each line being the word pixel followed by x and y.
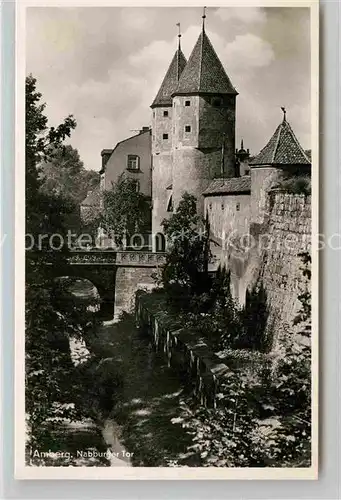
pixel 284 112
pixel 203 17
pixel 179 34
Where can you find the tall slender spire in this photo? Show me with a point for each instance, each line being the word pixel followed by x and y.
pixel 203 18
pixel 171 79
pixel 179 36
pixel 242 144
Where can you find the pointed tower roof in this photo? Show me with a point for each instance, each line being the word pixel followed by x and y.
pixel 204 72
pixel 282 149
pixel 170 81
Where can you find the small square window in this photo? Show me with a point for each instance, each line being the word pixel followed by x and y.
pixel 187 103
pixel 164 136
pixel 247 171
pixel 187 128
pixel 238 207
pixel 133 162
pixel 165 113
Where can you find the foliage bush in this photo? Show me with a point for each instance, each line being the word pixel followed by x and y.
pixel 258 424
pixel 298 184
pixel 254 317
pixel 54 387
pixel 185 277
pixel 126 210
pixel 201 302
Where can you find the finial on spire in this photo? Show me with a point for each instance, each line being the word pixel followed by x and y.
pixel 203 18
pixel 284 113
pixel 179 34
pixel 242 144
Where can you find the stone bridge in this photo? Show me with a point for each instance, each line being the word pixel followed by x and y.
pixel 116 274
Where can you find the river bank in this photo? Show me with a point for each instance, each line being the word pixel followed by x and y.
pixel 125 405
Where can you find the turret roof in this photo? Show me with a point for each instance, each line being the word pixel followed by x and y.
pixel 204 72
pixel 282 149
pixel 170 81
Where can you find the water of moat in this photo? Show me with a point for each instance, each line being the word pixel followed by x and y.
pixel 137 430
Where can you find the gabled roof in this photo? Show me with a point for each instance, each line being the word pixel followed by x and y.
pixel 144 130
pixel 204 72
pixel 282 149
pixel 234 185
pixel 93 198
pixel 170 81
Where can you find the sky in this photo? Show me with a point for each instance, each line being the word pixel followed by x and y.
pixel 105 65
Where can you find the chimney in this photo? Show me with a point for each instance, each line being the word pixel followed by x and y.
pixel 144 129
pixel 105 154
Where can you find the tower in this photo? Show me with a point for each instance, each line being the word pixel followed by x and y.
pixel 282 156
pixel 204 105
pixel 162 130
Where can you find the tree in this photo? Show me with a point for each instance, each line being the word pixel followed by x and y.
pixel 255 317
pixel 40 143
pixel 48 364
pixel 64 175
pixel 126 210
pixel 185 273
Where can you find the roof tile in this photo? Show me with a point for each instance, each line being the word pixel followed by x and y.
pixel 282 149
pixel 204 71
pixel 170 81
pixel 93 198
pixel 234 185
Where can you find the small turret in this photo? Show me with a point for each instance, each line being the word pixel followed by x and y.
pixel 282 156
pixel 242 160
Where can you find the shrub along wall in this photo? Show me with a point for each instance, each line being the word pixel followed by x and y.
pixel 187 351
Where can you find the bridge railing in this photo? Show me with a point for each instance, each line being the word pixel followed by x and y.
pixel 118 258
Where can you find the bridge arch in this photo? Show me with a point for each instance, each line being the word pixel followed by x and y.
pixel 101 278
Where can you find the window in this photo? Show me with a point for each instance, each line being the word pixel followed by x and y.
pixel 238 207
pixel 165 113
pixel 210 206
pixel 136 184
pixel 187 103
pixel 153 114
pixel 216 101
pixel 222 206
pixel 133 162
pixel 246 171
pixel 187 128
pixel 170 204
pixel 164 136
